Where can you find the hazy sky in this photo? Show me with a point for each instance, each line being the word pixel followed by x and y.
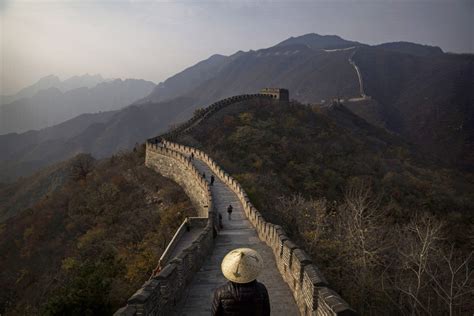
pixel 155 39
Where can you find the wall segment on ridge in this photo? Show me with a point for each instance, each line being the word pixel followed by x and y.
pixel 160 294
pixel 178 170
pixel 308 285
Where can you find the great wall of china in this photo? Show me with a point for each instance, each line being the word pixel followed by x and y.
pixel 189 269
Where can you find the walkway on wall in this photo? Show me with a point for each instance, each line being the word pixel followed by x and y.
pixel 363 96
pixel 185 241
pixel 237 232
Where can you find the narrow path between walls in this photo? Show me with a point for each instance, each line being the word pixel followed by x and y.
pixel 236 233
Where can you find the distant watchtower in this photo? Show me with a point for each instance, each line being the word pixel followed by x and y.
pixel 276 93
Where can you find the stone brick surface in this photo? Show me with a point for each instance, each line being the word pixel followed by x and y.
pixel 237 232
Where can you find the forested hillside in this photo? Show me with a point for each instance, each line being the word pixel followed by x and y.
pixel 383 223
pixel 85 247
pixel 429 100
pixel 416 90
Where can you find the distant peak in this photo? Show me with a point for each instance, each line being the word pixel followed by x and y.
pixel 49 78
pixel 217 56
pixel 317 41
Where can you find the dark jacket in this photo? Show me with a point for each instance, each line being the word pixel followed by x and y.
pixel 234 299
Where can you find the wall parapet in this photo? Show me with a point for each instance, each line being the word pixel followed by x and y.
pixel 159 295
pixel 188 223
pixel 205 113
pixel 309 287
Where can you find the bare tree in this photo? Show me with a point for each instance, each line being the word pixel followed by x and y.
pixel 452 277
pixel 362 221
pixel 408 274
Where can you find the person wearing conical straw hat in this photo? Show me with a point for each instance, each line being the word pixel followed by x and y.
pixel 243 294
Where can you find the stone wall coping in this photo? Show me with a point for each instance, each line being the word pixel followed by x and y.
pixel 144 292
pixel 334 301
pixel 302 256
pixel 291 245
pixel 166 272
pixel 314 275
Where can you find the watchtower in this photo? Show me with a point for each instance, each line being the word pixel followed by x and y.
pixel 276 93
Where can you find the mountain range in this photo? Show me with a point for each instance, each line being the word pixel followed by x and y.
pixel 53 81
pixel 63 100
pixel 414 90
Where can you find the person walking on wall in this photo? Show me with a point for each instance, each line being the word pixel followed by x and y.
pixel 204 175
pixel 212 179
pixel 229 211
pixel 243 294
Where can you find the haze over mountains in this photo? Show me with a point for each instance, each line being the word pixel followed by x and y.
pixel 51 101
pixel 409 84
pixel 53 81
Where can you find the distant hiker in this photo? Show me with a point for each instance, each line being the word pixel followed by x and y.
pixel 192 156
pixel 243 294
pixel 220 221
pixel 212 179
pixel 229 211
pixel 204 175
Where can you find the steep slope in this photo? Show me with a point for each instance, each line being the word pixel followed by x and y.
pixel 349 193
pixel 86 247
pixel 187 79
pixel 22 194
pixel 299 63
pixel 429 100
pixel 310 75
pixel 100 134
pixel 52 106
pixel 397 82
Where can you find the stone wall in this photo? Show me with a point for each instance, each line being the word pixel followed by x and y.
pixel 188 223
pixel 177 167
pixel 159 295
pixel 309 287
pixel 276 93
pixel 203 114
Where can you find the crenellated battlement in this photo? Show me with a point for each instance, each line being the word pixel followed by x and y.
pixel 183 257
pixel 309 287
pixel 276 93
pixel 203 114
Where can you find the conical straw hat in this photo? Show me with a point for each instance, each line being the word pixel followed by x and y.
pixel 242 265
